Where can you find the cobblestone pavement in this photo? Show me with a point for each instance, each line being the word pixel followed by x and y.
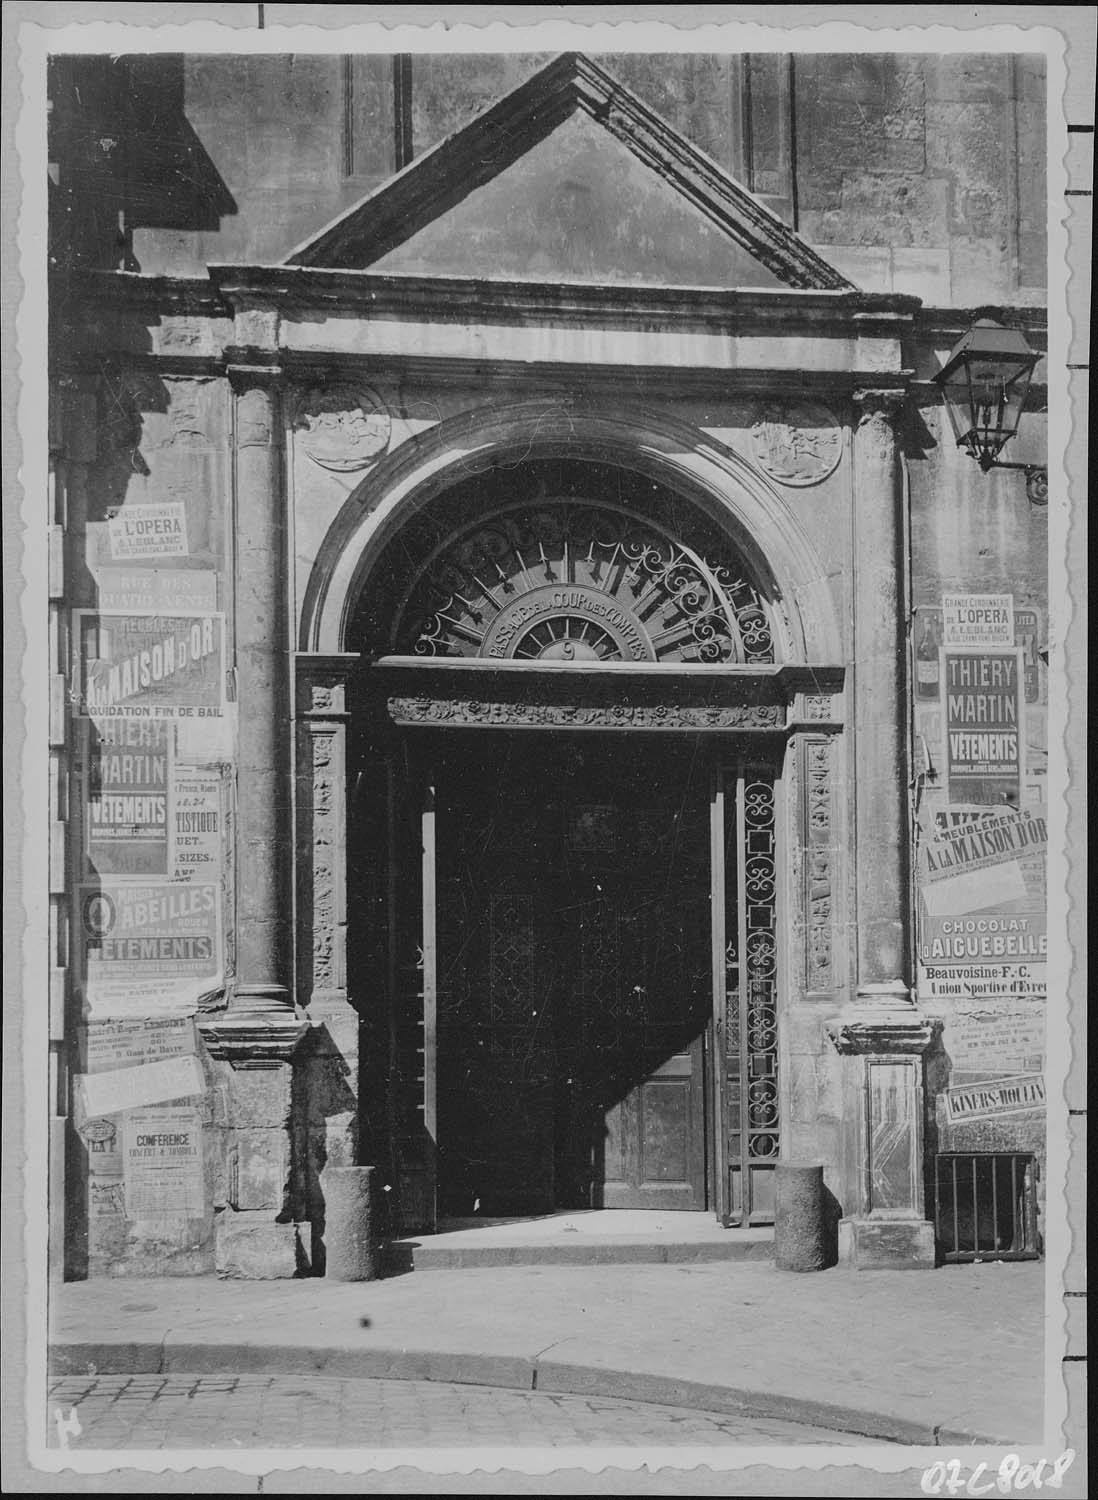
pixel 286 1411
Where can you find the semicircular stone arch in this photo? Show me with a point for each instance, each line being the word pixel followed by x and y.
pixel 703 528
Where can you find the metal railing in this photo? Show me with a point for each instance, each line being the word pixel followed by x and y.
pixel 985 1206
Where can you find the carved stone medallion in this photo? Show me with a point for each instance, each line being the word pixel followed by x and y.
pixel 796 442
pixel 343 427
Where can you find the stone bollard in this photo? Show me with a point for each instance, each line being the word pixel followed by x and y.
pixel 799 1231
pixel 353 1248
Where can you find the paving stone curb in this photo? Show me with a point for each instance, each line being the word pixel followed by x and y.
pixel 425 1257
pixel 512 1372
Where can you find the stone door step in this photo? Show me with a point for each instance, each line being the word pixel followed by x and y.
pixel 597 1237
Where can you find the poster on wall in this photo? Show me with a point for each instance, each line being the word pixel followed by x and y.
pixel 1003 1036
pixel 150 590
pixel 932 630
pixel 148 947
pixel 149 666
pixel 982 725
pixel 197 825
pixel 1027 628
pixel 130 1088
pixel 128 785
pixel 134 1043
pixel 158 530
pixel 982 902
pixel 978 619
pixel 988 1101
pixel 162 1162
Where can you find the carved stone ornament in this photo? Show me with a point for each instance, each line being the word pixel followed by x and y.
pixel 1036 484
pixel 463 711
pixel 343 427
pixel 796 442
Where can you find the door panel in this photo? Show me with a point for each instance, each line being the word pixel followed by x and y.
pixel 573 996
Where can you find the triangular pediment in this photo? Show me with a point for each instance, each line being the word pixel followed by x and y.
pixel 570 177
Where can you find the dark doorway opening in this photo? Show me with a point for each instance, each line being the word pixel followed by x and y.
pixel 574 994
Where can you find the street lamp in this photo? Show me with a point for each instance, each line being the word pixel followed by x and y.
pixel 984 382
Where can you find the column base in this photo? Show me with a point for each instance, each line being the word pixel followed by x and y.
pixel 887 1244
pixel 250 1245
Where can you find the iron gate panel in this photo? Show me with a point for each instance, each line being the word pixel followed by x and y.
pixel 752 1098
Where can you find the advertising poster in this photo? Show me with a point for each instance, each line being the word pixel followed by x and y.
pixel 987 1101
pixel 102 1139
pixel 982 903
pixel 983 740
pixel 1027 634
pixel 136 1043
pixel 197 826
pixel 148 591
pixel 154 946
pixel 978 619
pixel 162 1162
pixel 158 530
pixel 130 1088
pixel 149 666
pixel 128 766
pixel 1007 1036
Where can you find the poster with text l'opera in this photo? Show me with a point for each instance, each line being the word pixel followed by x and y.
pixel 159 666
pixel 148 948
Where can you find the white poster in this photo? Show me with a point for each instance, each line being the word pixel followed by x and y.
pixel 197 826
pixel 149 531
pixel 162 1162
pixel 131 1088
pixel 147 590
pixel 978 619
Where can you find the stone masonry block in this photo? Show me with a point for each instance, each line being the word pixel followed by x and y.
pixel 804 1033
pixel 259 1097
pixel 261 1168
pixel 253 1247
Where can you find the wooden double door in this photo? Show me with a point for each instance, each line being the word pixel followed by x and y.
pixel 574 1000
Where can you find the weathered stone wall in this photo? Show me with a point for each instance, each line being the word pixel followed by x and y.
pixel 979 545
pixel 920 174
pixel 925 174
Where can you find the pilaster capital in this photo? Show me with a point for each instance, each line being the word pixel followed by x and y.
pixel 249 1039
pixel 322 684
pixel 882 1020
pixel 878 403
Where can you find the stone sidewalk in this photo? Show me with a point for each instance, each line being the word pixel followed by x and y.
pixel 944 1357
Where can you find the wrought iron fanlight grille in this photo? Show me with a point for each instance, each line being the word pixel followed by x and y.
pixel 572 580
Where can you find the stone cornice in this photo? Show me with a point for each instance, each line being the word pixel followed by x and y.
pixel 949 323
pixel 372 294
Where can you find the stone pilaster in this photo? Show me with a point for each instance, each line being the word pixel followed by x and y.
pixel 880 754
pixel 326 1072
pixel 879 1034
pixel 259 1031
